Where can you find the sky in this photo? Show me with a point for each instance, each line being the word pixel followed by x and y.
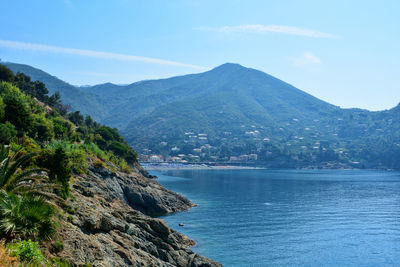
pixel 343 52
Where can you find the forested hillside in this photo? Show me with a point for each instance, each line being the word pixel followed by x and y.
pixel 42 147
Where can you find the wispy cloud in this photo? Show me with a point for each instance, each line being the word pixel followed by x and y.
pixel 306 60
pixel 93 54
pixel 257 28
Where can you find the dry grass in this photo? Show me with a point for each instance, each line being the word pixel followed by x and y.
pixel 5 259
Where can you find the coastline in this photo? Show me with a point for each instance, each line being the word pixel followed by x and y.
pixel 193 166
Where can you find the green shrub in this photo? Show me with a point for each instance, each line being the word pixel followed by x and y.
pixel 27 251
pixel 62 128
pixel 42 128
pixel 58 163
pixel 7 132
pixel 25 216
pixel 77 161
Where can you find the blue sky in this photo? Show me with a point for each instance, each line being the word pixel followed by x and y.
pixel 344 52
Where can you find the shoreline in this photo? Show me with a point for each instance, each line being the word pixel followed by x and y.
pixel 153 167
pixel 168 167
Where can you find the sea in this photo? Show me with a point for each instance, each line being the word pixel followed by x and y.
pixel 290 217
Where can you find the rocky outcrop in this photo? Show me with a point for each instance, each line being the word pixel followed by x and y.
pixel 109 225
pixel 141 193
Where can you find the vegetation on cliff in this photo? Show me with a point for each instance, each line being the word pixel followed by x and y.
pixel 42 146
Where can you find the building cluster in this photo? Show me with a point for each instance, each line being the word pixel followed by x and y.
pixel 243 158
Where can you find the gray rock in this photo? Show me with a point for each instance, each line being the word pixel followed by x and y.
pixel 110 229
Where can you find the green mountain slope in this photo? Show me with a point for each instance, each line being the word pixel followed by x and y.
pixel 70 94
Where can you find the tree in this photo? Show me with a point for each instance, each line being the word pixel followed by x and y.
pixel 35 89
pixel 55 99
pixel 76 118
pixel 6 74
pixel 17 112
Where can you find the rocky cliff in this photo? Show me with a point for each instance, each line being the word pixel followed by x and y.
pixel 109 223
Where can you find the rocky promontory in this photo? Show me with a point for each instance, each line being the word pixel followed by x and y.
pixel 110 225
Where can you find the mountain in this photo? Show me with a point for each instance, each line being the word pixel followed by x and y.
pixel 238 114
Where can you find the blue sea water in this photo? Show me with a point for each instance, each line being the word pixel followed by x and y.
pixel 290 217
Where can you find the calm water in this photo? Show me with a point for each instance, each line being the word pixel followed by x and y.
pixel 291 218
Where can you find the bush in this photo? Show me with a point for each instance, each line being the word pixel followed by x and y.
pixel 58 163
pixel 42 128
pixel 78 161
pixel 7 133
pixel 75 153
pixel 25 216
pixel 62 128
pixel 27 251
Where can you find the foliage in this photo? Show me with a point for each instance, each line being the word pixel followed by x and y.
pixel 70 94
pixel 62 128
pixel 77 156
pixel 6 74
pixel 35 89
pixel 27 251
pixel 44 118
pixel 15 180
pixel 42 128
pixel 17 110
pixel 7 132
pixel 58 164
pixel 25 216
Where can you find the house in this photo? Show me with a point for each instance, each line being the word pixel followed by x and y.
pixel 155 158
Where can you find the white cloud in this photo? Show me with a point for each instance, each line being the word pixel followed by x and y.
pixel 93 54
pixel 257 28
pixel 306 60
